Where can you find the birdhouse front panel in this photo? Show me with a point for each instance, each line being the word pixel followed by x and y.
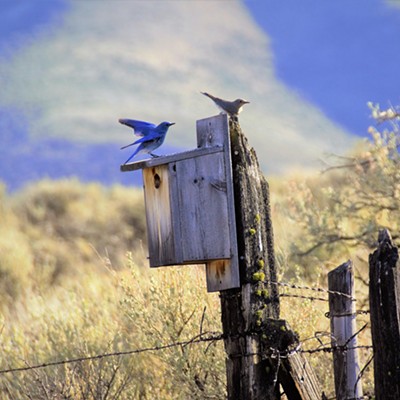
pixel 203 208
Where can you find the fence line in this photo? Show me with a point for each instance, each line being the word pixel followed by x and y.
pixel 215 336
pixel 206 337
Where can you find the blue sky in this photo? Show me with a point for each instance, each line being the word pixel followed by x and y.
pixel 337 54
pixel 69 69
pixel 20 18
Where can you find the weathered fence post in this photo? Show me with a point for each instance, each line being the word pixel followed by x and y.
pixel 384 298
pixel 343 329
pixel 249 375
pixel 255 339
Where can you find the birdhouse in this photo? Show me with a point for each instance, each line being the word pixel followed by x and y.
pixel 190 209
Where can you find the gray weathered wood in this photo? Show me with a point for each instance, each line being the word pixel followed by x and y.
pixel 154 162
pixel 298 379
pixel 296 376
pixel 187 212
pixel 384 295
pixel 256 341
pixel 203 210
pixel 342 312
pixel 214 132
pixel 250 376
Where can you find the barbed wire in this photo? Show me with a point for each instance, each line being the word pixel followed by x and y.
pixel 357 312
pixel 362 372
pixel 211 337
pixel 299 296
pixel 330 349
pixel 216 336
pixel 208 337
pixel 313 288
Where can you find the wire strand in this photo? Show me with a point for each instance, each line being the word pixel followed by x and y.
pixel 211 338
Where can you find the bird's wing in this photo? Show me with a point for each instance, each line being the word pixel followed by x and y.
pixel 152 136
pixel 141 128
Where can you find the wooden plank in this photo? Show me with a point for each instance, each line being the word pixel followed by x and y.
pixel 175 207
pixel 212 132
pixel 154 162
pixel 203 210
pixel 296 376
pixel 298 379
pixel 161 236
pixel 219 275
pixel 342 310
pixel 384 298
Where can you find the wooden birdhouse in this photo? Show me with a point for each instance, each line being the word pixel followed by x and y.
pixel 190 209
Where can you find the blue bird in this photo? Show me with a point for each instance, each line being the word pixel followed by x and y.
pixel 151 136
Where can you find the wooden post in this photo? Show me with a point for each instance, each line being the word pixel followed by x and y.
pixel 249 375
pixel 256 341
pixel 384 298
pixel 343 328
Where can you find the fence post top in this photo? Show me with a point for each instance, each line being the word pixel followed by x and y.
pixel 384 236
pixel 342 268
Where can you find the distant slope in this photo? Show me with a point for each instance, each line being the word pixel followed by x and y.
pixel 24 159
pixel 98 61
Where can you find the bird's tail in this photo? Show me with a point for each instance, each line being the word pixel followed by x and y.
pixel 133 155
pixel 208 95
pixel 124 147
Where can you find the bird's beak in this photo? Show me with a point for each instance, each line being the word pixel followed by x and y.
pixel 171 123
pixel 246 102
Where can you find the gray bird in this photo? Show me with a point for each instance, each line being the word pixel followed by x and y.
pixel 232 108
